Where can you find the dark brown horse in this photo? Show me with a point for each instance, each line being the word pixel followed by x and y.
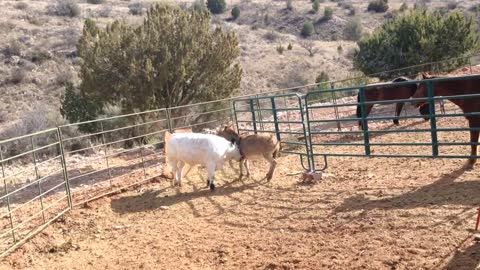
pixel 464 86
pixel 403 91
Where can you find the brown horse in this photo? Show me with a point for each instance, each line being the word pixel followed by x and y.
pixel 403 91
pixel 464 86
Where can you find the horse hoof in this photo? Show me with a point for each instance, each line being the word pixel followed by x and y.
pixel 212 187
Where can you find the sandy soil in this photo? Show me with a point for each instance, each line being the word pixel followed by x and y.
pixel 366 213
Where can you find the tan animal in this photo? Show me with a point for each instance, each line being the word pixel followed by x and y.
pixel 253 146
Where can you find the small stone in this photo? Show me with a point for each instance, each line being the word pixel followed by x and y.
pixel 118 227
pixel 163 207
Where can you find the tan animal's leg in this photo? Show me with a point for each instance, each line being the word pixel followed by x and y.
pixel 247 165
pixel 241 167
pixel 273 164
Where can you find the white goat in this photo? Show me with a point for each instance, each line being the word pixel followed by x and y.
pixel 208 150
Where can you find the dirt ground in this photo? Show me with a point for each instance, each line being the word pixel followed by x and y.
pixel 366 213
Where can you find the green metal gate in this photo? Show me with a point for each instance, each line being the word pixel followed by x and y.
pixel 282 115
pixel 319 115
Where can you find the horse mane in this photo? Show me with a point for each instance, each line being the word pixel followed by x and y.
pixel 401 79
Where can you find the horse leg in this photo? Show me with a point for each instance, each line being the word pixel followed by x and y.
pixel 474 141
pixel 425 111
pixel 398 111
pixel 368 109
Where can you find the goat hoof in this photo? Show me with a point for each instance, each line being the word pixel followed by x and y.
pixel 208 183
pixel 396 123
pixel 212 186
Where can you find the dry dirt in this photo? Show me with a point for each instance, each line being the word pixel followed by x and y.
pixel 366 213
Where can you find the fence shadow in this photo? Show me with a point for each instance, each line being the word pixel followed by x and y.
pixel 443 191
pixel 463 259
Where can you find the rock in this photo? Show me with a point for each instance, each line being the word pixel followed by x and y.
pixel 118 227
pixel 163 207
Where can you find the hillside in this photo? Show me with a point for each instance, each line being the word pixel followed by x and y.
pixel 37 47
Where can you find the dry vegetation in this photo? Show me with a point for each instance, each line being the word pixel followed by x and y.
pixel 38 40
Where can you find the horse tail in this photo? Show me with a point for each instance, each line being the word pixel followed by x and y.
pixel 359 110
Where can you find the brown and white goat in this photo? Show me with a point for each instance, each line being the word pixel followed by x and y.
pixel 253 146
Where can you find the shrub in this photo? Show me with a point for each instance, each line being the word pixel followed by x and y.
pixel 271 35
pixel 3 116
pixel 309 46
pixel 316 6
pixel 216 6
pixel 352 12
pixel 340 49
pixel 77 108
pixel 420 4
pixel 307 29
pixel 235 12
pixel 105 11
pixel 327 13
pixel 378 6
pixel 280 48
pixel 21 5
pixel 65 8
pixel 199 5
pixel 18 75
pixel 39 56
pixel 136 8
pixel 211 61
pixel 290 4
pixel 418 37
pixel 289 47
pixel 321 80
pixel 14 47
pixel 353 29
pixel 452 5
pixel 403 7
pixel 96 2
pixel 63 77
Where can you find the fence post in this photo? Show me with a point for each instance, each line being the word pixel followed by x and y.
pixel 234 111
pixel 335 108
pixel 8 197
pixel 275 119
pixel 169 120
pixel 366 134
pixel 254 121
pixel 433 121
pixel 37 177
pixel 64 165
pixel 104 142
pixel 260 113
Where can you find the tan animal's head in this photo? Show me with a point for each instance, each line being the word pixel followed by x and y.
pixel 228 133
